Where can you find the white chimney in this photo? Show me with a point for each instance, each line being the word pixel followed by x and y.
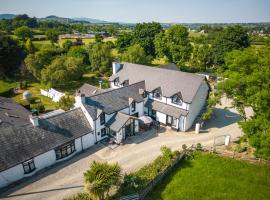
pixel 34 120
pixel 116 67
pixel 130 100
pixel 79 99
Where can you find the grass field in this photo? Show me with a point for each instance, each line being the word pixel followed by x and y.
pixel 87 41
pixel 212 177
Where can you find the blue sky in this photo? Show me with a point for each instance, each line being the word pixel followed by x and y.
pixel 188 11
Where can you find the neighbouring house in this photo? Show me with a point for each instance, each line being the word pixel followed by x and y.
pixel 29 145
pixel 12 113
pixel 172 97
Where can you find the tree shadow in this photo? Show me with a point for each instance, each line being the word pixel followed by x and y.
pixel 222 118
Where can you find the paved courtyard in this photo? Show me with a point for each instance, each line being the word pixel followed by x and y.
pixel 66 179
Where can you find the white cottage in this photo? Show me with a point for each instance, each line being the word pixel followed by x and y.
pixel 172 97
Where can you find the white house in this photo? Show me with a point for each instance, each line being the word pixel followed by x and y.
pixel 41 142
pixel 172 97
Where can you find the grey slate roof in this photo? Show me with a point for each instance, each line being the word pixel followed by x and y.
pixel 19 144
pixel 12 113
pixel 117 121
pixel 114 100
pixel 88 90
pixel 170 81
pixel 165 108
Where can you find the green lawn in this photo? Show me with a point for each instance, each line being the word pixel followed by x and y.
pixel 212 177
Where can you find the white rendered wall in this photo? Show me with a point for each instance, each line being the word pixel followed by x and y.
pixel 197 103
pixel 10 175
pixel 161 117
pixel 88 140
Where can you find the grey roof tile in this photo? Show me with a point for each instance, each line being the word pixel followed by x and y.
pixel 21 143
pixel 115 100
pixel 118 121
pixel 165 108
pixel 170 81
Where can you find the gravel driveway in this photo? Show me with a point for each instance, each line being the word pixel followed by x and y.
pixel 66 179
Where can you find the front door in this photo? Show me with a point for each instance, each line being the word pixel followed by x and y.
pixel 169 120
pixel 129 129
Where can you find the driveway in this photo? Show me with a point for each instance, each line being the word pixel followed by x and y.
pixel 66 179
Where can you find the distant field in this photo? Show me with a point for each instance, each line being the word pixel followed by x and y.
pixel 88 41
pixel 195 34
pixel 40 44
pixel 213 177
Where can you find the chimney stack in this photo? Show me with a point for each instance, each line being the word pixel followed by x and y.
pixel 34 120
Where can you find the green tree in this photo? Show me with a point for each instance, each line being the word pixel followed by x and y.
pixel 23 33
pixel 124 41
pixel 11 55
pixel 67 45
pixel 135 54
pixel 79 52
pixel 232 38
pixel 100 57
pixel 98 38
pixel 29 46
pixel 248 84
pixel 202 58
pixel 61 71
pixel 66 102
pixel 100 178
pixel 144 35
pixel 174 44
pixel 52 35
pixel 36 62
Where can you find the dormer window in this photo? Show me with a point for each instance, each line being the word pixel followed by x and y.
pixel 144 95
pixel 157 94
pixel 116 82
pixel 102 118
pixel 177 99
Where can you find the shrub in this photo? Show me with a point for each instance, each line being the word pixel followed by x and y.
pixel 31 100
pixel 39 107
pixel 184 146
pixel 79 196
pixel 166 152
pixel 198 147
pixel 242 147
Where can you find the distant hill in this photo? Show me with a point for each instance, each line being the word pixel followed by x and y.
pixel 56 18
pixel 90 20
pixel 7 16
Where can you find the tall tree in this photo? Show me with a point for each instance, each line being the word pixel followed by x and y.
pixel 66 102
pixel 174 44
pixel 52 35
pixel 23 33
pixel 79 52
pixel 144 35
pixel 67 45
pixel 124 41
pixel 202 58
pixel 100 178
pixel 232 38
pixel 98 37
pixel 100 57
pixel 135 54
pixel 248 83
pixel 11 54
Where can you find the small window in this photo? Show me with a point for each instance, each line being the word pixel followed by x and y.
pixel 144 94
pixel 176 99
pixel 133 106
pixel 116 82
pixel 174 122
pixel 29 166
pixel 65 150
pixel 103 132
pixel 102 118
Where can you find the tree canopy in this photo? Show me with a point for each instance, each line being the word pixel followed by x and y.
pixel 174 44
pixel 11 54
pixel 232 38
pixel 135 54
pixel 23 33
pixel 248 83
pixel 52 35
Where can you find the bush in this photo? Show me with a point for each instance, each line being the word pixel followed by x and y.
pixel 184 146
pixel 31 100
pixel 166 152
pixel 198 147
pixel 39 107
pixel 79 196
pixel 242 147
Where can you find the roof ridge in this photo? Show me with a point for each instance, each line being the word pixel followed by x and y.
pixel 120 88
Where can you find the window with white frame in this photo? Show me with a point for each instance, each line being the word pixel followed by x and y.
pixel 103 132
pixel 102 118
pixel 157 94
pixel 65 150
pixel 28 166
pixel 176 99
